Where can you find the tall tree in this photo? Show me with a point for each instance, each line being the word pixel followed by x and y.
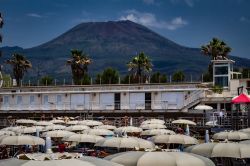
pixel 79 65
pixel 108 76
pixel 19 65
pixel 178 76
pixel 158 78
pixel 216 49
pixel 140 66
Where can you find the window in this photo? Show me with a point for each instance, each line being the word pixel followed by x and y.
pixel 6 100
pixel 222 70
pixel 59 99
pixel 19 100
pixel 221 81
pixel 32 99
pixel 45 99
pixel 117 101
pixel 147 101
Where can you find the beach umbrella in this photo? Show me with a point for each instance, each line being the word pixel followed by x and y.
pixel 90 123
pixel 137 158
pixel 77 128
pixel 174 139
pixel 29 130
pixel 108 127
pixel 103 132
pixel 183 121
pixel 153 121
pixel 21 140
pixel 203 107
pixel 55 127
pixel 128 129
pixel 231 136
pixel 125 142
pixel 2 132
pixel 25 121
pixel 84 138
pixel 12 128
pixel 73 122
pixel 242 98
pixel 246 130
pixel 153 126
pixel 57 134
pixel 57 121
pixel 231 150
pixel 153 132
pixel 245 142
pixel 43 123
pixel 56 159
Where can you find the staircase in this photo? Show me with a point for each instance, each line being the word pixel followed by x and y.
pixel 193 99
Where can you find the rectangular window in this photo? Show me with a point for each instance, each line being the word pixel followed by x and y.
pixel 117 101
pixel 19 100
pixel 32 99
pixel 222 70
pixel 6 100
pixel 59 99
pixel 148 101
pixel 45 99
pixel 221 81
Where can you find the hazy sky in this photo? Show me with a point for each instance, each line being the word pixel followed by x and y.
pixel 188 22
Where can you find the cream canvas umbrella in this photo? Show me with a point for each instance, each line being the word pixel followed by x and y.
pixel 174 139
pixel 128 129
pixel 84 138
pixel 245 142
pixel 57 121
pixel 90 123
pixel 2 132
pixel 203 107
pixel 57 134
pixel 103 132
pixel 246 130
pixel 231 150
pixel 108 127
pixel 156 132
pixel 125 142
pixel 153 126
pixel 153 121
pixel 21 140
pixel 231 136
pixel 72 122
pixel 137 158
pixel 25 121
pixel 55 127
pixel 43 123
pixel 12 128
pixel 183 121
pixel 29 130
pixel 50 160
pixel 77 128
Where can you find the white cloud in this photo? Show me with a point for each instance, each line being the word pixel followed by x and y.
pixel 149 19
pixel 34 15
pixel 244 19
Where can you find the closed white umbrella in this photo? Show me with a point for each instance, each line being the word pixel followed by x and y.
pixel 84 138
pixel 156 132
pixel 57 134
pixel 21 140
pixel 125 142
pixel 137 158
pixel 77 128
pixel 174 139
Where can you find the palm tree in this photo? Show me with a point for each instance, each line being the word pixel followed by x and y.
pixel 178 76
pixel 1 25
pixel 108 76
pixel 140 66
pixel 20 65
pixel 79 65
pixel 217 49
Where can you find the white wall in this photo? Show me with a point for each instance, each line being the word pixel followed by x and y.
pixel 137 100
